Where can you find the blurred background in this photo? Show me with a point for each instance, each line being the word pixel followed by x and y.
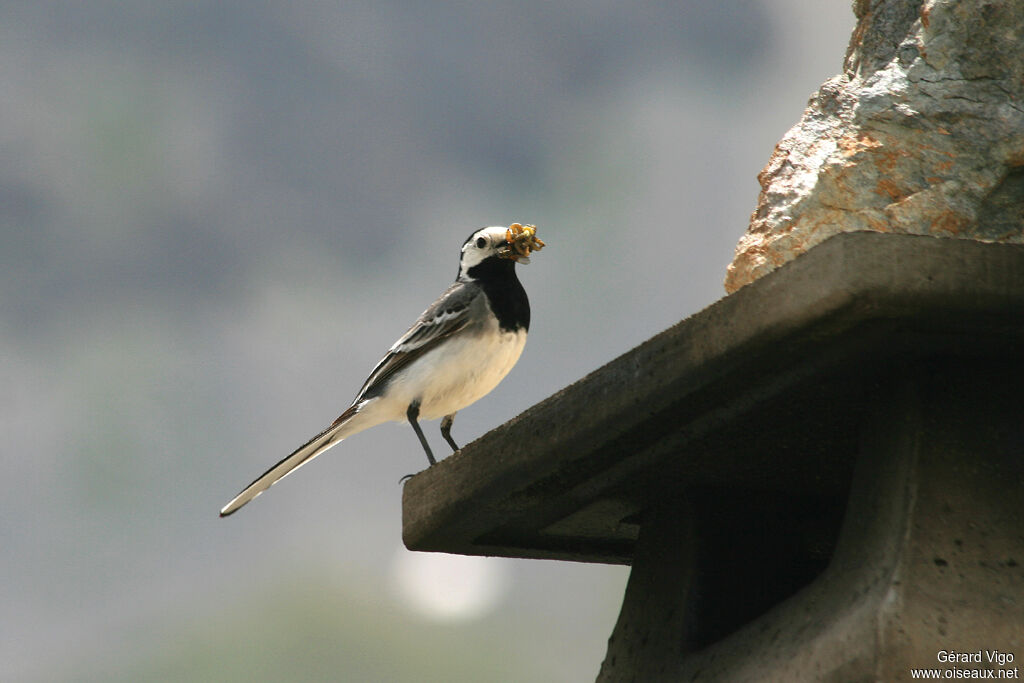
pixel 215 216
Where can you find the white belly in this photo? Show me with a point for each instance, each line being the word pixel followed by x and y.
pixel 467 371
pixel 451 377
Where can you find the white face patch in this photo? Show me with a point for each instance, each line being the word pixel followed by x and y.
pixel 484 243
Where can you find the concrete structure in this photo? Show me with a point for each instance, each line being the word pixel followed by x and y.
pixel 819 477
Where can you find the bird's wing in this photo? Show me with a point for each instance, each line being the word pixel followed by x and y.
pixel 445 317
pixel 303 454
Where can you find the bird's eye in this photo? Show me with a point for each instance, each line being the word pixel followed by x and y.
pixel 481 242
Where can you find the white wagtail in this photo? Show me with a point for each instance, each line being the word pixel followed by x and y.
pixel 455 353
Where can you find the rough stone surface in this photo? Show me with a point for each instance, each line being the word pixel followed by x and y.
pixel 922 134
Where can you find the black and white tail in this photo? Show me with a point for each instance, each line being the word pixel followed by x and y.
pixel 344 426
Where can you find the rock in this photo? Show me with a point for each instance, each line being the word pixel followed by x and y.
pixel 922 134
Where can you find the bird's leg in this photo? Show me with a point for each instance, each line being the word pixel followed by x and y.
pixel 446 431
pixel 412 414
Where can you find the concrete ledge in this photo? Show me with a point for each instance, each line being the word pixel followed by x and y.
pixel 760 396
pixel 928 558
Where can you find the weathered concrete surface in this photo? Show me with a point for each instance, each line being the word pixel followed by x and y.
pixel 923 133
pixel 928 559
pixel 819 477
pixel 758 393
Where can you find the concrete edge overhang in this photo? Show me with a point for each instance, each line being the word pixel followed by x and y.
pixel 751 393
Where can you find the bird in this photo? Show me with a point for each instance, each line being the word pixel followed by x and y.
pixel 455 353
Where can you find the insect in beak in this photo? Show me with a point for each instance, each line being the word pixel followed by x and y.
pixel 520 240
